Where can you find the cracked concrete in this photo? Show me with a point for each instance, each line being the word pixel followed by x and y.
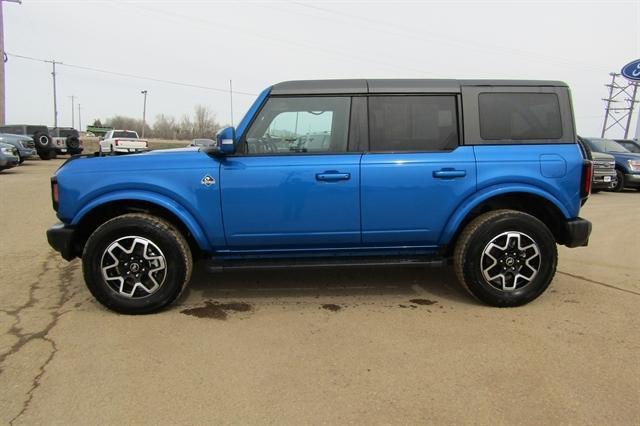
pixel 278 356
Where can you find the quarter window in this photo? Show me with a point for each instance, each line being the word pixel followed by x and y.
pixel 519 116
pixel 300 125
pixel 413 123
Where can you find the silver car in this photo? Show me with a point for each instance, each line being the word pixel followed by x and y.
pixel 24 144
pixel 8 156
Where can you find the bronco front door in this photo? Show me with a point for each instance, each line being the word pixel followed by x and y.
pixel 294 183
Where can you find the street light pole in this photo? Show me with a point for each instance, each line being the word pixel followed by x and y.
pixel 79 119
pixel 3 59
pixel 73 111
pixel 144 112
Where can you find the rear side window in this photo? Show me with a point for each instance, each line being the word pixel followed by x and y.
pixel 519 116
pixel 413 123
pixel 125 134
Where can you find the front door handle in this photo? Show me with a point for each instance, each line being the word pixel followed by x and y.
pixel 332 176
pixel 449 173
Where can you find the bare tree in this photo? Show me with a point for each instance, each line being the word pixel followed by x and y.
pixel 165 127
pixel 204 123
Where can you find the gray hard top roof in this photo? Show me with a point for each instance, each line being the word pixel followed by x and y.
pixel 314 87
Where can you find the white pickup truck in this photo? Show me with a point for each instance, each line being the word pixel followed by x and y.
pixel 122 141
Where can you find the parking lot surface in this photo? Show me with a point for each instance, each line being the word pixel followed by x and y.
pixel 388 345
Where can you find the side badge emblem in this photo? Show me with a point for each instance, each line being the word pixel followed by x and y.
pixel 208 181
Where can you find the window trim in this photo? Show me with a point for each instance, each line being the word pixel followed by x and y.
pixel 471 115
pixel 241 149
pixel 458 116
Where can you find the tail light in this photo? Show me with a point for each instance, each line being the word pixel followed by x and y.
pixel 117 142
pixel 587 177
pixel 55 196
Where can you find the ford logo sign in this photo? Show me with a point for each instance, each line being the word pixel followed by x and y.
pixel 631 71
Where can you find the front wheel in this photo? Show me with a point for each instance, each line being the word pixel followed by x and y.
pixel 620 183
pixel 136 263
pixel 506 258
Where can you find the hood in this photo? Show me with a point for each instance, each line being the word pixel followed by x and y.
pixel 601 156
pixel 164 159
pixel 625 155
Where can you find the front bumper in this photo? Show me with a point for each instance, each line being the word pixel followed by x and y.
pixel 577 232
pixel 60 237
pixel 27 152
pixel 9 161
pixel 632 180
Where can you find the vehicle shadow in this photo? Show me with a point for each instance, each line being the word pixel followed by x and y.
pixel 412 282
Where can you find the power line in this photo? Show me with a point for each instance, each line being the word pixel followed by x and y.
pixel 406 32
pixel 140 77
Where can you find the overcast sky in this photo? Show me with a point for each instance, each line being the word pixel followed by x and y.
pixel 258 43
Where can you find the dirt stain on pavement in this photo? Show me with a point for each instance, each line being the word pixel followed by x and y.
pixel 216 310
pixel 331 307
pixel 423 301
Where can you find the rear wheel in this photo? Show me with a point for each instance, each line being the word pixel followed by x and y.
pixel 136 264
pixel 505 258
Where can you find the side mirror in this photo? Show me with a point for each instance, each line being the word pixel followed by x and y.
pixel 226 141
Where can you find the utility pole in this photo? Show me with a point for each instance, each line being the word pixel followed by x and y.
pixel 3 59
pixel 619 92
pixel 55 101
pixel 73 111
pixel 79 119
pixel 231 100
pixel 144 112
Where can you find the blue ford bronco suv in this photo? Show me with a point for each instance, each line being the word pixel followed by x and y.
pixel 485 173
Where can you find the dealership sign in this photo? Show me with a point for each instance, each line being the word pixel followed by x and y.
pixel 632 70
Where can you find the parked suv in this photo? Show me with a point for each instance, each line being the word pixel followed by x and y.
pixel 66 140
pixel 627 162
pixel 485 173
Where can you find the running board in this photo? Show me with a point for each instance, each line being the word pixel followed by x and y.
pixel 325 262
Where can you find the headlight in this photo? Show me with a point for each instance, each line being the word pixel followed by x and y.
pixel 634 165
pixel 7 151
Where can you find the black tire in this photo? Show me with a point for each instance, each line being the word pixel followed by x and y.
pixel 174 251
pixel 73 143
pixel 42 140
pixel 47 155
pixel 620 183
pixel 475 239
pixel 21 160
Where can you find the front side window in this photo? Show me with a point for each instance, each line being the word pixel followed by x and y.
pixel 413 123
pixel 519 116
pixel 300 125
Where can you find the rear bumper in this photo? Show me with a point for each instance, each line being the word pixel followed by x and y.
pixel 60 238
pixel 577 232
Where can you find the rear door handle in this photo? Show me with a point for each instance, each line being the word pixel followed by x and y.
pixel 331 176
pixel 449 174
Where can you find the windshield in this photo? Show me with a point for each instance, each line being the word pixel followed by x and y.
pixel 125 134
pixel 632 147
pixel 605 145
